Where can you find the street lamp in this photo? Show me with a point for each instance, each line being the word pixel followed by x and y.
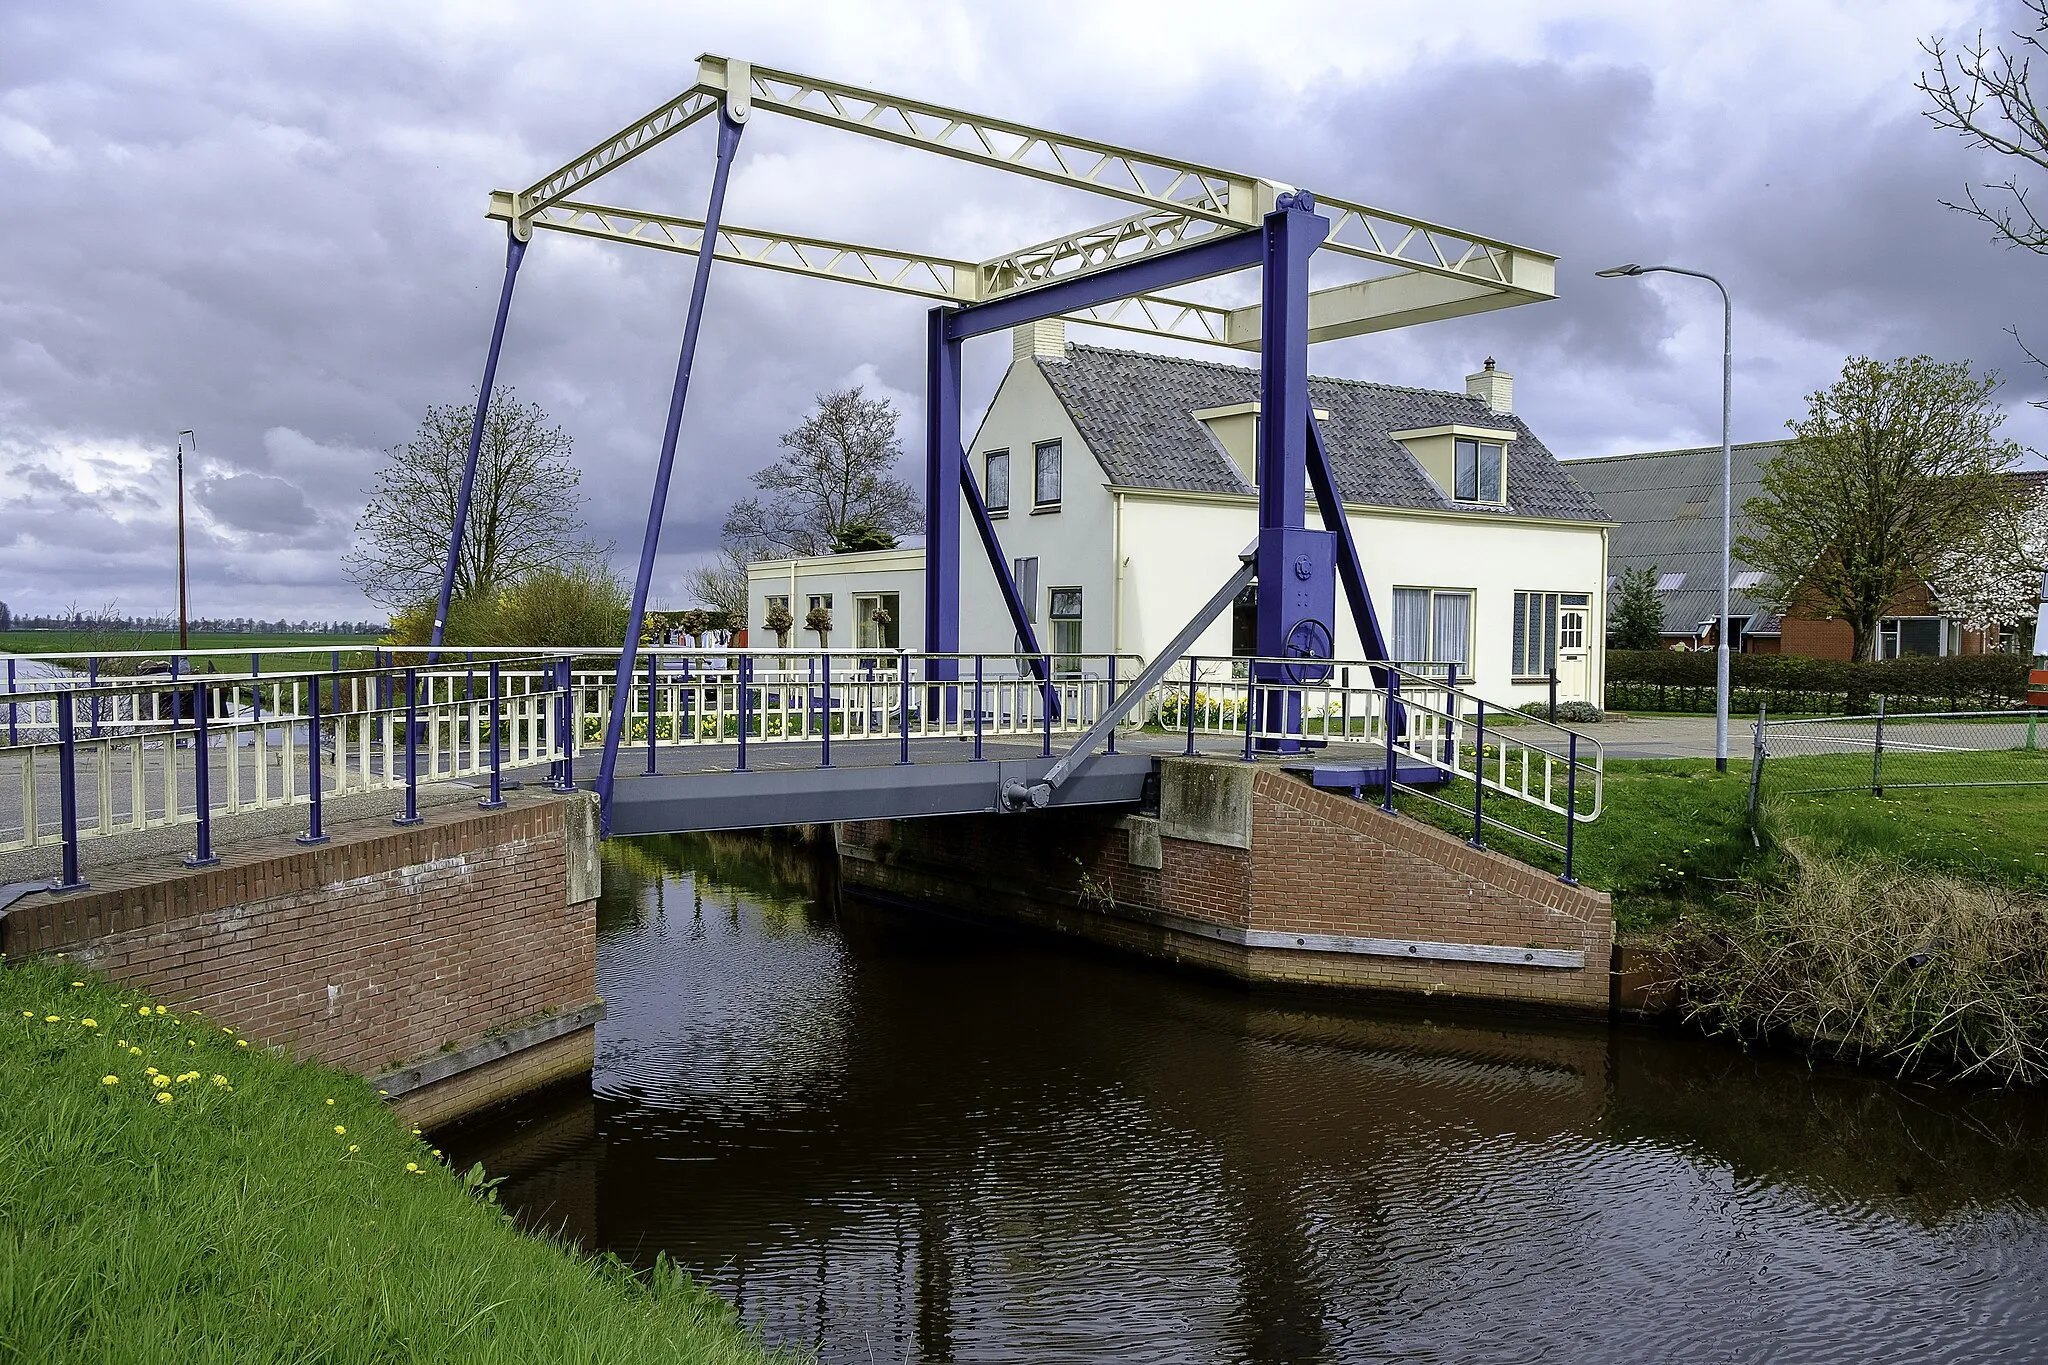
pixel 1727 489
pixel 183 640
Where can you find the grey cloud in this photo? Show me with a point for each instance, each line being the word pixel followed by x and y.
pixel 257 502
pixel 266 226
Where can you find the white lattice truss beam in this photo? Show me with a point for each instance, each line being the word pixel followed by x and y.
pixel 1433 271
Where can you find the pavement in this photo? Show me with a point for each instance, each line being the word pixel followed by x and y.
pixel 1667 737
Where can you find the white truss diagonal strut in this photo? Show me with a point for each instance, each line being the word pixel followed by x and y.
pixel 615 151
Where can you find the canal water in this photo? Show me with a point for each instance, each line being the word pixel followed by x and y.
pixel 897 1136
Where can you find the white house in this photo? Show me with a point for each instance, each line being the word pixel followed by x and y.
pixel 1122 488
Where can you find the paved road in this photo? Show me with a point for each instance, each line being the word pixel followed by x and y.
pixel 1669 737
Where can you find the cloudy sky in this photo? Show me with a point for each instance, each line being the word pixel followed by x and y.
pixel 264 222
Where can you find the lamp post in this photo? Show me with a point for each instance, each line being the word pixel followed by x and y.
pixel 183 629
pixel 1727 490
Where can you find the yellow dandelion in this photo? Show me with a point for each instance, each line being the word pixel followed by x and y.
pixel 89 1023
pixel 241 1042
pixel 77 984
pixel 415 1132
pixel 52 1019
pixel 225 1029
pixel 413 1166
pixel 134 1052
pixel 219 1079
pixel 110 1080
pixel 353 1148
pixel 437 1151
pixel 161 1010
pixel 340 1131
pixel 120 1042
pixel 149 1071
pixel 142 1010
pixel 159 1080
pixel 330 1101
pixel 28 1014
pixel 163 1097
pixel 383 1092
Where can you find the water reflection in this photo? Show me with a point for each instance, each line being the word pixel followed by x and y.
pixel 896 1136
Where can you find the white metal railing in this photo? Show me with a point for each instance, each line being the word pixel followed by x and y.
pixel 1523 757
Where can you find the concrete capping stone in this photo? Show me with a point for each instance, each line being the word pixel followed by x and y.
pixel 444 1065
pixel 1145 849
pixel 1206 801
pixel 585 867
pixel 1415 950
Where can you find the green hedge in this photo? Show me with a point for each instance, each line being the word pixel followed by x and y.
pixel 1671 680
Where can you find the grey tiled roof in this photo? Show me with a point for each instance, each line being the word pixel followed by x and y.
pixel 1136 412
pixel 1666 506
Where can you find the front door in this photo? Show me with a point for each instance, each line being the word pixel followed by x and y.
pixel 1571 653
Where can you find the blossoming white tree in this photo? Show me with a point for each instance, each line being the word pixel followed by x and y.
pixel 1995 579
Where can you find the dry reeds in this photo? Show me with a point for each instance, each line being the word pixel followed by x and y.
pixel 1853 954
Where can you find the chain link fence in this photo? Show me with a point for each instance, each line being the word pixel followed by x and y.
pixel 1879 752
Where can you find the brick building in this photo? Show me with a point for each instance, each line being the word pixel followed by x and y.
pixel 1666 509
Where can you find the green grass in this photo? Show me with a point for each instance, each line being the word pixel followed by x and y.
pixel 311 653
pixel 270 1211
pixel 1674 834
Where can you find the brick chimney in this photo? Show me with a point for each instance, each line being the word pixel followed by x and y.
pixel 1493 388
pixel 1046 337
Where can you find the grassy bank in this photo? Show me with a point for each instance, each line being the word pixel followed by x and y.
pixel 1674 836
pixel 174 1194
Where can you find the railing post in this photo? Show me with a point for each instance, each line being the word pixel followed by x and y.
pixel 92 686
pixel 903 708
pixel 1553 692
pixel 202 855
pixel 825 718
pixel 977 708
pixel 412 770
pixel 174 693
pixel 256 692
pixel 652 768
pixel 746 715
pixel 1045 709
pixel 1251 700
pixel 314 833
pixel 1393 768
pixel 1571 803
pixel 67 798
pixel 12 738
pixel 1111 746
pixel 1479 773
pixel 1190 716
pixel 497 796
pixel 1877 751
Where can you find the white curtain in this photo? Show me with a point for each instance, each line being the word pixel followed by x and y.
pixel 1411 624
pixel 1451 641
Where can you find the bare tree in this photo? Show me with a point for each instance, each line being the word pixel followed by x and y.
pixel 1893 467
pixel 525 512
pixel 837 468
pixel 722 584
pixel 1985 94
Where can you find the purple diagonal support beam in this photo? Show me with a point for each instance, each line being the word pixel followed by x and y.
pixel 728 144
pixel 1020 616
pixel 515 251
pixel 1322 478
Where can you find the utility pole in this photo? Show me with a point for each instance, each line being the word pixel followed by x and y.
pixel 184 630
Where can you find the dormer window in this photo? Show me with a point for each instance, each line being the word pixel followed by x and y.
pixel 1479 470
pixel 1469 463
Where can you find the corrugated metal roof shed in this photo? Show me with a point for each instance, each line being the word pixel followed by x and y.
pixel 1666 506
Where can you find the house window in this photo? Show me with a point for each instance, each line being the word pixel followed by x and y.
pixel 1064 611
pixel 1536 639
pixel 995 483
pixel 1045 487
pixel 1479 471
pixel 1433 625
pixel 821 600
pixel 876 620
pixel 778 600
pixel 1902 637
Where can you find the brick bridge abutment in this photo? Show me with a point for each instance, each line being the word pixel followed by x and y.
pixel 1249 871
pixel 453 962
